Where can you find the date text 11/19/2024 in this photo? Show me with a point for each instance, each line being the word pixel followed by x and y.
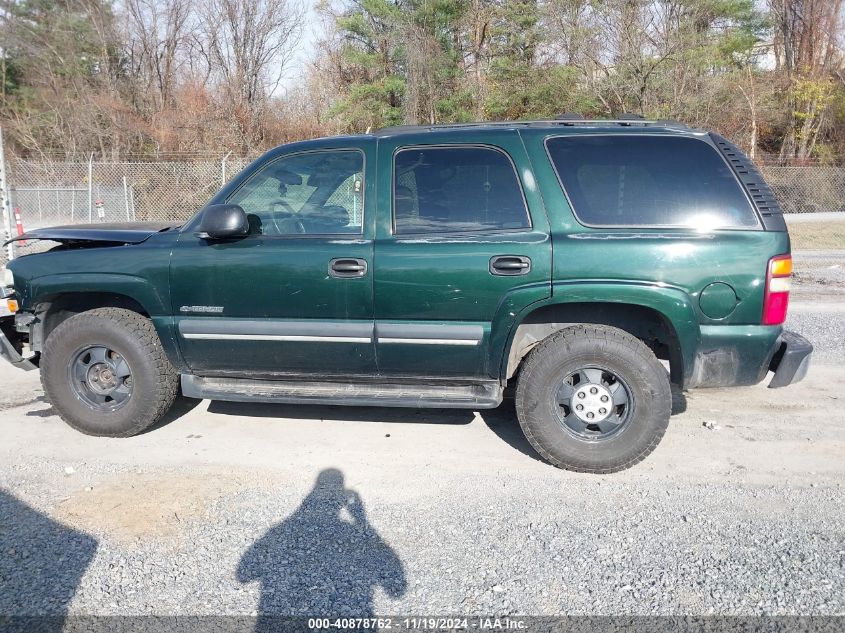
pixel 506 623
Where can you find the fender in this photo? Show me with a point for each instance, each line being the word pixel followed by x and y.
pixel 514 306
pixel 673 303
pixel 142 291
pixel 132 286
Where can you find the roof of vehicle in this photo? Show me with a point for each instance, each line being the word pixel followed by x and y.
pixel 563 122
pixel 443 131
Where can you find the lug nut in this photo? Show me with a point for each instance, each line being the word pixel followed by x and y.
pixel 581 394
pixel 604 398
pixel 579 407
pixel 602 411
pixel 590 416
pixel 593 390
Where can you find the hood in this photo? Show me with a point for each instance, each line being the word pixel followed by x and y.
pixel 115 233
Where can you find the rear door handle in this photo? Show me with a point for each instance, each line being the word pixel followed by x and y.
pixel 510 265
pixel 347 267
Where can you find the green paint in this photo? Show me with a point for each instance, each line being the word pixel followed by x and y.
pixel 717 300
pixel 708 287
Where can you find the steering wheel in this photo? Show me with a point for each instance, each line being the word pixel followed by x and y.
pixel 287 216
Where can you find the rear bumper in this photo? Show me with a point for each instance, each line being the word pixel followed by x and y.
pixel 742 355
pixel 8 351
pixel 791 361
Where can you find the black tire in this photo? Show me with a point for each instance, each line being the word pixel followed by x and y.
pixel 154 381
pixel 620 355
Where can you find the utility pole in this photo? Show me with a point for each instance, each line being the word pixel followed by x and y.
pixel 5 206
pixel 223 169
pixel 90 186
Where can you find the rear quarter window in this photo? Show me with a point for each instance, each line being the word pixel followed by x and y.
pixel 654 181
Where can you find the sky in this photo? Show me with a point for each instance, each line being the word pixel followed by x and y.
pixel 311 33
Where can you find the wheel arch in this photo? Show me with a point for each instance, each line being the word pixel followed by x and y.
pixel 56 298
pixel 665 322
pixel 56 308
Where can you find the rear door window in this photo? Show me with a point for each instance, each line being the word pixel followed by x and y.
pixel 653 181
pixel 456 189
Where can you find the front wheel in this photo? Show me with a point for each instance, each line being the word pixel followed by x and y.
pixel 593 398
pixel 106 374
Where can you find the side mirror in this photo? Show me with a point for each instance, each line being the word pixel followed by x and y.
pixel 222 221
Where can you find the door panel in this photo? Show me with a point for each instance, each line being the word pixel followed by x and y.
pixel 436 294
pixel 279 309
pixel 269 304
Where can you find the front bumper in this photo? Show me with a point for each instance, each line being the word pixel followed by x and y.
pixel 8 351
pixel 791 361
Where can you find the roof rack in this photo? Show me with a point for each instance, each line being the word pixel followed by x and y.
pixel 562 120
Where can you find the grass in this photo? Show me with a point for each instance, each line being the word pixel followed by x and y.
pixel 816 236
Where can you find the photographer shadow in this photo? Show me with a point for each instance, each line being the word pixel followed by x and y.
pixel 42 563
pixel 318 561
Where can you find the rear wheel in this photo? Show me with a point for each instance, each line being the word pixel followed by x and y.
pixel 106 374
pixel 593 398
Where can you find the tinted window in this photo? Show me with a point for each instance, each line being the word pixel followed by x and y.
pixel 456 189
pixel 312 193
pixel 649 181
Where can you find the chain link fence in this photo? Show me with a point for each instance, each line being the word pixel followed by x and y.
pixel 809 189
pixel 813 201
pixel 46 193
pixel 50 193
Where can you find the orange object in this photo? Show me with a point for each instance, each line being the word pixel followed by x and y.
pixel 19 224
pixel 12 304
pixel 782 266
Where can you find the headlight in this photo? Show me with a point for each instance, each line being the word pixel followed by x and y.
pixel 8 278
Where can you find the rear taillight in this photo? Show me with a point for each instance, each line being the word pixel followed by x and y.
pixel 776 299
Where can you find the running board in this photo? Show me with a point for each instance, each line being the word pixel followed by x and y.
pixel 486 395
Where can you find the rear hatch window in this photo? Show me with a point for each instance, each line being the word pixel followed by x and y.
pixel 649 181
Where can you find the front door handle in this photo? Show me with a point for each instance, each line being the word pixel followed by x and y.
pixel 347 267
pixel 510 265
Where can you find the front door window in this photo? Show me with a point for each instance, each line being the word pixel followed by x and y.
pixel 311 193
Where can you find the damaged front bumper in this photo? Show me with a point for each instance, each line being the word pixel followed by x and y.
pixel 11 345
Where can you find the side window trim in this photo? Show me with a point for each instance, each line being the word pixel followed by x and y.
pixel 299 236
pixel 668 227
pixel 529 227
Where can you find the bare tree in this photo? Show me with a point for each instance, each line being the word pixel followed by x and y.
pixel 158 33
pixel 249 43
pixel 807 50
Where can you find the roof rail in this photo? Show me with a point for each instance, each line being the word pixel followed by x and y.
pixel 623 122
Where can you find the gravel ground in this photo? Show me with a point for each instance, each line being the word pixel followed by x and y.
pixel 818 303
pixel 529 544
pixel 272 509
pixel 824 326
pixel 819 275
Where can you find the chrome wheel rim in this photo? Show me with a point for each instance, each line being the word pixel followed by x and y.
pixel 100 377
pixel 593 403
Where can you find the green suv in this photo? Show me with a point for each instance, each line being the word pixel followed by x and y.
pixel 590 263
